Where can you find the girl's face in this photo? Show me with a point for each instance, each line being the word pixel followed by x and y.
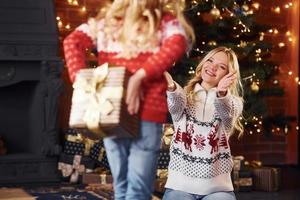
pixel 214 69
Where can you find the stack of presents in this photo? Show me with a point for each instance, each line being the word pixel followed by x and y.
pixel 84 161
pixel 99 110
pixel 248 176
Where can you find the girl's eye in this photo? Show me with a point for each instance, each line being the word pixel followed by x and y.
pixel 209 60
pixel 223 67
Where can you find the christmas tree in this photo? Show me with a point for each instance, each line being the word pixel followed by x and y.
pixel 233 24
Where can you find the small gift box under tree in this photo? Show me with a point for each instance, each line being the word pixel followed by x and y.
pixel 242 176
pixel 73 166
pixel 98 176
pixel 77 144
pixel 267 179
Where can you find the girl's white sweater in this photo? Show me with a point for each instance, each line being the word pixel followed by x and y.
pixel 200 157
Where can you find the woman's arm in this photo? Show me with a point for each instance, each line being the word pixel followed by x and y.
pixel 176 101
pixel 173 47
pixel 75 46
pixel 228 108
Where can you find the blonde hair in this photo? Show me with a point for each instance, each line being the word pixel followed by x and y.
pixel 141 20
pixel 236 89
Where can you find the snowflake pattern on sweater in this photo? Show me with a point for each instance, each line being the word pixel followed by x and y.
pixel 200 152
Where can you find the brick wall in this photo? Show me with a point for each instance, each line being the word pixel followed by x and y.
pixel 279 147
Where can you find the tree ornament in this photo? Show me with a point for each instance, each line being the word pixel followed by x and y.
pixel 254 87
pixel 243 44
pixel 245 7
pixel 215 12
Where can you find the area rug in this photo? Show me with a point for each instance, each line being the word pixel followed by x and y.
pixel 68 193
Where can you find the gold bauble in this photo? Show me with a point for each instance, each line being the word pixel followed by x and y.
pixel 215 12
pixel 245 7
pixel 254 87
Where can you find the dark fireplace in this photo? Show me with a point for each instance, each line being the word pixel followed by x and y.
pixel 30 86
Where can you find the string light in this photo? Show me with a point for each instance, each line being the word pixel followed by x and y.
pixel 256 5
pixel 281 44
pixel 277 10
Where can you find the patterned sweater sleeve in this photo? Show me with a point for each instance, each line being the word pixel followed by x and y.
pixel 173 47
pixel 176 102
pixel 75 45
pixel 228 108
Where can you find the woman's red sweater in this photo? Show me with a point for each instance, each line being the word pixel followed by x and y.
pixel 173 45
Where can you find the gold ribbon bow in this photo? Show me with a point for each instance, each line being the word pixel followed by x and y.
pixel 75 138
pixel 98 103
pixel 72 170
pixel 162 173
pixel 255 164
pixel 167 136
pixel 88 143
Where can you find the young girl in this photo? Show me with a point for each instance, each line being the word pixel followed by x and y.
pixel 147 39
pixel 205 114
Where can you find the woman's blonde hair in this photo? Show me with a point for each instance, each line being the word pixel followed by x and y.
pixel 141 20
pixel 236 89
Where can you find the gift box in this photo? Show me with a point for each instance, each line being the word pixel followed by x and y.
pixel 98 103
pixel 163 159
pixel 242 180
pixel 267 179
pixel 72 166
pixel 77 144
pixel 98 153
pixel 159 185
pixel 238 163
pixel 168 131
pixel 96 178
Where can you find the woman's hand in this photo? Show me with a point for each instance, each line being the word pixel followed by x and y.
pixel 134 91
pixel 225 83
pixel 170 82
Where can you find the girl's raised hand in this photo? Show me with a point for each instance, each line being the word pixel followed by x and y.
pixel 225 83
pixel 170 82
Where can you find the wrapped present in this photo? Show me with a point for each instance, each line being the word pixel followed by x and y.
pixel 168 131
pixel 72 166
pixel 238 163
pixel 98 153
pixel 266 179
pixel 98 103
pixel 77 144
pixel 163 159
pixel 162 173
pixel 97 178
pixel 159 185
pixel 242 180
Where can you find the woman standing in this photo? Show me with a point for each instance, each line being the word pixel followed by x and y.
pixel 147 39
